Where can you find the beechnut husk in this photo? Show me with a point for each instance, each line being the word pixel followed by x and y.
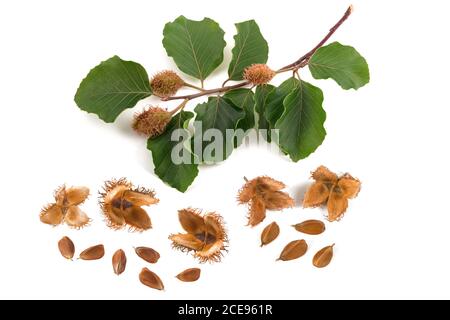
pixel 204 235
pixel 121 204
pixel 66 209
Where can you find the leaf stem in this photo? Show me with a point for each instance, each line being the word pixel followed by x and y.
pixel 181 106
pixel 225 82
pixel 299 63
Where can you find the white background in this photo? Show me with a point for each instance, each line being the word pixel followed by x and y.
pixel 391 134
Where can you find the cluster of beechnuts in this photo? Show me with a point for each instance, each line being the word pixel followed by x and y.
pixel 119 262
pixel 264 193
pixel 293 109
pixel 204 235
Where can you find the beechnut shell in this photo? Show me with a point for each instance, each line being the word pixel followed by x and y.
pixel 93 253
pixel 66 247
pixel 331 190
pixel 263 193
pixel 312 227
pixel 148 254
pixel 65 208
pixel 119 261
pixel 205 235
pixel 189 275
pixel 151 279
pixel 121 205
pixel 270 233
pixel 323 257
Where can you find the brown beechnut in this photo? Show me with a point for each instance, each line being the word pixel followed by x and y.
pixel 148 254
pixel 93 253
pixel 270 233
pixel 263 193
pixel 121 205
pixel 151 279
pixel 293 250
pixel 323 257
pixel 65 208
pixel 119 261
pixel 206 235
pixel 189 275
pixel 331 190
pixel 66 248
pixel 312 227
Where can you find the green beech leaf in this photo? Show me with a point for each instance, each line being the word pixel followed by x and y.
pixel 274 103
pixel 177 175
pixel 300 126
pixel 243 99
pixel 195 46
pixel 111 87
pixel 341 63
pixel 218 113
pixel 250 47
pixel 261 93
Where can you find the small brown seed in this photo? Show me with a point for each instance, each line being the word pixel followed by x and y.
pixel 270 233
pixel 323 257
pixel 150 279
pixel 312 227
pixel 66 247
pixel 148 254
pixel 293 250
pixel 93 253
pixel 189 275
pixel 119 261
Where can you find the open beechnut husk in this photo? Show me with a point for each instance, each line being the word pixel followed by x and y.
pixel 65 208
pixel 205 235
pixel 121 205
pixel 331 190
pixel 261 194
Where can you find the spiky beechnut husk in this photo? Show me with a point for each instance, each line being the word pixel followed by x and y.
pixel 65 208
pixel 205 235
pixel 166 83
pixel 121 205
pixel 258 74
pixel 263 193
pixel 331 190
pixel 151 122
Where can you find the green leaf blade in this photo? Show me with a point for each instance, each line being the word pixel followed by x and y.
pixel 274 103
pixel 195 46
pixel 217 113
pixel 341 63
pixel 301 129
pixel 111 87
pixel 250 48
pixel 179 176
pixel 245 100
pixel 261 93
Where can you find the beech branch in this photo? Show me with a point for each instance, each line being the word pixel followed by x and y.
pixel 207 92
pixel 299 63
pixel 303 60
